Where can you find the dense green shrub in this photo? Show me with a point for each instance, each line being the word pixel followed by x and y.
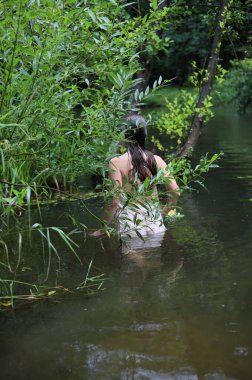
pixel 68 75
pixel 237 86
pixel 67 71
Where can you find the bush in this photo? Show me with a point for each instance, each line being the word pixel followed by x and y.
pixel 237 85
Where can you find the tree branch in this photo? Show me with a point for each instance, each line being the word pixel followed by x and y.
pixel 197 123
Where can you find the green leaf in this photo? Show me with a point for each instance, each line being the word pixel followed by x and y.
pixel 139 235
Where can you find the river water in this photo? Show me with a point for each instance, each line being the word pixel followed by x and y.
pixel 181 311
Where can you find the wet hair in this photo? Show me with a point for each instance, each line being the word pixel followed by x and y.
pixel 136 136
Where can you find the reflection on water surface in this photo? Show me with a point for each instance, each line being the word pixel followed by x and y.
pixel 180 311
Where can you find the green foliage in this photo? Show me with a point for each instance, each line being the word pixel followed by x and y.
pixel 182 170
pixel 19 280
pixel 187 176
pixel 143 31
pixel 238 36
pixel 190 35
pixel 201 75
pixel 175 122
pixel 237 85
pixel 67 74
pixel 191 32
pixel 67 78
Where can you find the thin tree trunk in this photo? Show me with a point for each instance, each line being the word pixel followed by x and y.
pixel 197 123
pixel 145 73
pixel 144 76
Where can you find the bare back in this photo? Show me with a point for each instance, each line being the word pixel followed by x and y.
pixel 121 166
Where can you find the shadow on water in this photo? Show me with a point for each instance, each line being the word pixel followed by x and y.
pixel 178 311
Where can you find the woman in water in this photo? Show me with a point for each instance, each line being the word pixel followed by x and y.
pixel 140 219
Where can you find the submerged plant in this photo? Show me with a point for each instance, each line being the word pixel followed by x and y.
pixel 17 264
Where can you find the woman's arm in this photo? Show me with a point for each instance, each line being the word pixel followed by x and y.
pixel 171 186
pixel 111 207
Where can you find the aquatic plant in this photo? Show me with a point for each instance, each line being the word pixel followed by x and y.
pixel 17 263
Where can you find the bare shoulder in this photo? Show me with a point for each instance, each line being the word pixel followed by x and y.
pixel 161 164
pixel 113 163
pixel 118 161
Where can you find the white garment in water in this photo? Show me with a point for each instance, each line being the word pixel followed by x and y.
pixel 141 226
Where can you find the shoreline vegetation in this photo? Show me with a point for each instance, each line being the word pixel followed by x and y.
pixel 69 75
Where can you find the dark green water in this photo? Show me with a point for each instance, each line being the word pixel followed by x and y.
pixel 181 311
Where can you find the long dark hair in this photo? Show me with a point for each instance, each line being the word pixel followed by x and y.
pixel 143 162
